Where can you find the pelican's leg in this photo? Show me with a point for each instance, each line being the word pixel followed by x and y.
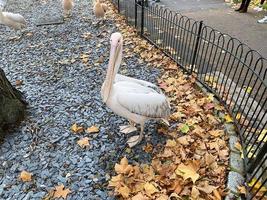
pixel 134 140
pixel 128 128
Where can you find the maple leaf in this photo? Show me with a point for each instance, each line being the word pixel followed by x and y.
pixel 184 140
pixel 25 176
pixel 124 191
pixel 92 129
pixel 123 167
pixel 150 189
pixel 76 129
pixel 184 128
pixel 187 171
pixel 228 118
pixel 61 192
pixel 84 142
pixel 116 181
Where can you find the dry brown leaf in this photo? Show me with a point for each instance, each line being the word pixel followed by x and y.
pixel 195 193
pixel 124 191
pixel 76 129
pixel 242 190
pixel 19 82
pixel 139 196
pixel 123 167
pixel 184 140
pixel 148 148
pixel 150 189
pixel 61 192
pixel 217 195
pixel 171 143
pixel 92 129
pixel 84 142
pixel 25 176
pixel 187 171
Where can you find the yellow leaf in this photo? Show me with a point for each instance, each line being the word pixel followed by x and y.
pixel 150 189
pixel 228 118
pixel 25 176
pixel 171 143
pixel 61 192
pixel 262 136
pixel 211 97
pixel 92 129
pixel 211 79
pixel 116 181
pixel 187 171
pixel 257 185
pixel 76 129
pixel 84 142
pixel 124 191
pixel 248 89
pixel 238 116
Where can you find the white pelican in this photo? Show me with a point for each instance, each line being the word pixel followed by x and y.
pixel 136 100
pixel 12 20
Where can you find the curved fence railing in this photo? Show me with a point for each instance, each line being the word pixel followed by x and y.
pixel 227 67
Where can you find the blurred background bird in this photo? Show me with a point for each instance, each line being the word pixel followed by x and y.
pixel 12 20
pixel 100 9
pixel 68 6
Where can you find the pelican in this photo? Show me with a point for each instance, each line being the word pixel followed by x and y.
pixel 12 20
pixel 136 100
pixel 100 9
pixel 67 6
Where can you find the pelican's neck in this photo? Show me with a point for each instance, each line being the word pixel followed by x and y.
pixel 113 68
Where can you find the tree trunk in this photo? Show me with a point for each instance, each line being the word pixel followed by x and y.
pixel 12 104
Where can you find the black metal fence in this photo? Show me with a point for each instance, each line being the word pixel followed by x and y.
pixel 227 67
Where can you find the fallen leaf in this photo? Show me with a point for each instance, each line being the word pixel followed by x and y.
pixel 61 192
pixel 19 82
pixel 228 118
pixel 184 140
pixel 170 143
pixel 184 128
pixel 92 129
pixel 76 129
pixel 217 195
pixel 139 196
pixel 238 116
pixel 187 171
pixel 262 136
pixel 84 142
pixel 123 167
pixel 25 176
pixel 150 189
pixel 148 148
pixel 256 184
pixel 248 89
pixel 195 193
pixel 132 141
pixel 124 191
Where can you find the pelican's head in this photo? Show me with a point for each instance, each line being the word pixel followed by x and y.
pixel 114 63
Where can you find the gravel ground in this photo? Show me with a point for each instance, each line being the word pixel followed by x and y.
pixel 62 89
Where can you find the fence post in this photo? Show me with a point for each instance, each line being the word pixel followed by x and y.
pixel 119 6
pixel 135 13
pixel 196 46
pixel 142 17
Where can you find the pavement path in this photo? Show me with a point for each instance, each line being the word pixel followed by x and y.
pixel 218 14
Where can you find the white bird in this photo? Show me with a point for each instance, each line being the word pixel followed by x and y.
pixel 136 100
pixel 67 6
pixel 12 20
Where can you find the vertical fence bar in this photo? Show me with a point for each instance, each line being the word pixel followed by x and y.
pixel 135 13
pixel 119 6
pixel 142 17
pixel 196 46
pixel 257 160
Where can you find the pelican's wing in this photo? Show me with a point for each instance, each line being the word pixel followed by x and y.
pixel 144 101
pixel 120 77
pixel 15 17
